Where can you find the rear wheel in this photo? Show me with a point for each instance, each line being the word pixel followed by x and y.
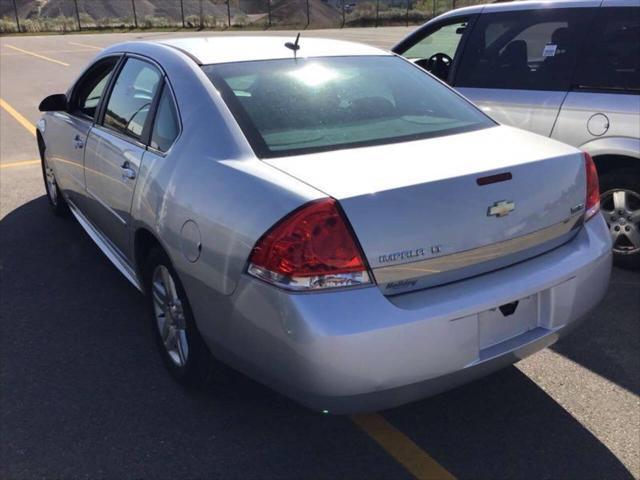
pixel 57 202
pixel 620 205
pixel 181 346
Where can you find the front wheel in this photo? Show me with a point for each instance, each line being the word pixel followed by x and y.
pixel 56 200
pixel 181 346
pixel 620 205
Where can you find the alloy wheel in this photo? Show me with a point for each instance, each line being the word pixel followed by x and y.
pixel 621 209
pixel 169 315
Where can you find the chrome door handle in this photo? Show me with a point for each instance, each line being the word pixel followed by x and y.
pixel 78 142
pixel 127 171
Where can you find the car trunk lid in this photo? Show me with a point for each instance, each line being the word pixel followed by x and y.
pixel 434 211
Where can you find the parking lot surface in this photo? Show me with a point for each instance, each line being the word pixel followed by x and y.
pixel 84 394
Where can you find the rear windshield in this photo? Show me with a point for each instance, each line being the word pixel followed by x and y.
pixel 290 107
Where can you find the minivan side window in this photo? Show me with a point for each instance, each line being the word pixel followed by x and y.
pixel 166 126
pixel 89 90
pixel 131 98
pixel 611 57
pixel 527 50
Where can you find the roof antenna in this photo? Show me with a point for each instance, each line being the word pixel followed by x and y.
pixel 293 46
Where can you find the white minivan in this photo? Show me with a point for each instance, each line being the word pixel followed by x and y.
pixel 569 70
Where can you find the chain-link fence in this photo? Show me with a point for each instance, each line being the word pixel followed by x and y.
pixel 74 15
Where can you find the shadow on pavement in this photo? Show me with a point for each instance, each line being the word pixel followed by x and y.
pixel 608 342
pixel 505 426
pixel 84 394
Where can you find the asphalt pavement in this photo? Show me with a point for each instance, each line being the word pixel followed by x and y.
pixel 83 393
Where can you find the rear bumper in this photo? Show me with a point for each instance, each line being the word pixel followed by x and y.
pixel 357 350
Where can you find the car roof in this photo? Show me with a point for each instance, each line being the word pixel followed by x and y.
pixel 510 6
pixel 232 48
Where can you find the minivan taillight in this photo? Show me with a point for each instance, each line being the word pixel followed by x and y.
pixel 311 248
pixel 592 205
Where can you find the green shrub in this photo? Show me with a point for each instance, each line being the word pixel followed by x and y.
pixel 8 25
pixel 152 21
pixel 392 12
pixel 364 15
pixel 44 24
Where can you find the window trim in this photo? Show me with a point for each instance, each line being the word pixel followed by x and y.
pixel 576 87
pixel 99 122
pixel 75 112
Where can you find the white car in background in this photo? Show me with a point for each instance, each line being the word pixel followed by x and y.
pixel 569 70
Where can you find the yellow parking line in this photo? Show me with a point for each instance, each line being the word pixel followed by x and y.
pixel 33 54
pixel 64 50
pixel 18 117
pixel 24 163
pixel 84 45
pixel 402 448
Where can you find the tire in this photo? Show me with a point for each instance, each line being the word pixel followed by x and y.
pixel 179 342
pixel 57 202
pixel 620 205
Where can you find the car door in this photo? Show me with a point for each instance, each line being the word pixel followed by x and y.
pixel 517 65
pixel 165 129
pixel 115 147
pixel 604 102
pixel 437 45
pixel 68 130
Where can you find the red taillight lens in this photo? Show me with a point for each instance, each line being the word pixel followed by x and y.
pixel 592 204
pixel 311 248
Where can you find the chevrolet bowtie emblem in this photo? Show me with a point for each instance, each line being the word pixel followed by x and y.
pixel 501 209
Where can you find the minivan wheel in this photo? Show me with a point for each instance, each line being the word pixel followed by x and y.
pixel 56 201
pixel 180 344
pixel 620 205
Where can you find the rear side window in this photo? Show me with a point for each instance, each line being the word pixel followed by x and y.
pixel 527 50
pixel 131 98
pixel 611 57
pixel 165 126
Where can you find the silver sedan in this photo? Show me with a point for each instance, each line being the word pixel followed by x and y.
pixel 324 216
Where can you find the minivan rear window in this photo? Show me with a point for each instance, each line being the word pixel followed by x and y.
pixel 295 106
pixel 526 50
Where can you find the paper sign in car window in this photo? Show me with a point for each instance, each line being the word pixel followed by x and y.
pixel 549 50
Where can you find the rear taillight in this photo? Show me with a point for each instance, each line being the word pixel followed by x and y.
pixel 311 248
pixel 592 205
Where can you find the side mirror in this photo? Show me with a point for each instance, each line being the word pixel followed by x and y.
pixel 54 103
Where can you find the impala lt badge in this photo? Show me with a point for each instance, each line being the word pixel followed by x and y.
pixel 501 208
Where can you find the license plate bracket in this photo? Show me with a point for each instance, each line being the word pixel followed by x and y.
pixel 507 321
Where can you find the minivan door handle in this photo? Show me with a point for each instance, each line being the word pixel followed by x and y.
pixel 78 142
pixel 127 171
